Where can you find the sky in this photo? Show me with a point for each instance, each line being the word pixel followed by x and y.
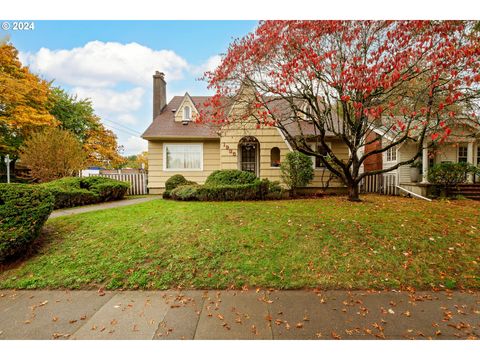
pixel 112 63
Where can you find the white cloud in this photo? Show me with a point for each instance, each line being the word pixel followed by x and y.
pixel 135 145
pixel 209 65
pixel 104 64
pixel 107 101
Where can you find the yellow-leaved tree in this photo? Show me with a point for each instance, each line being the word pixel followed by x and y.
pixel 24 102
pixel 101 146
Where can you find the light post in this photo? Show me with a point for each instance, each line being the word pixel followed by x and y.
pixel 7 161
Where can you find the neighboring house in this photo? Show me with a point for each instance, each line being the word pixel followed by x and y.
pixel 178 145
pixel 463 145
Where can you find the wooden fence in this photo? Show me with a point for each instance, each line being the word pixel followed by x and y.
pixel 385 184
pixel 138 182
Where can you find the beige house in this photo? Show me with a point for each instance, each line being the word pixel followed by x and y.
pixel 178 145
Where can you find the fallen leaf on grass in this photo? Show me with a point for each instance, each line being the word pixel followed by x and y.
pixel 58 335
pixel 299 325
pixel 135 327
pixel 55 318
pixel 72 321
pixel 335 336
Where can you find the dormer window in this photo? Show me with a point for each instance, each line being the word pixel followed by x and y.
pixel 187 113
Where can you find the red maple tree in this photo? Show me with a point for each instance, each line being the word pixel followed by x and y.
pixel 408 79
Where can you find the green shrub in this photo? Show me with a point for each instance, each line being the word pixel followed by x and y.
pixel 105 188
pixel 230 177
pixel 23 211
pixel 69 192
pixel 297 170
pixel 259 190
pixel 449 175
pixel 175 181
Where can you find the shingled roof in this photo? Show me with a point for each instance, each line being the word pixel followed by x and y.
pixel 165 126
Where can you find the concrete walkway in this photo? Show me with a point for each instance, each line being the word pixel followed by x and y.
pixel 238 315
pixel 102 206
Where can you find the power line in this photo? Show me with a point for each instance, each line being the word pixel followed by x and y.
pixel 123 126
pixel 129 132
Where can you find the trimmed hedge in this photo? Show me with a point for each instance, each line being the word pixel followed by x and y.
pixel 230 177
pixel 70 192
pixel 175 181
pixel 259 190
pixel 23 211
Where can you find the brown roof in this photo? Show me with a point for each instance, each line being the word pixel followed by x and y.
pixel 164 125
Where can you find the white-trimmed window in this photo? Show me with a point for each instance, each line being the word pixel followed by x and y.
pixel 391 154
pixel 182 157
pixel 463 154
pixel 187 113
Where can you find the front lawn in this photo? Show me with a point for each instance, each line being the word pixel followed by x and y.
pixel 383 242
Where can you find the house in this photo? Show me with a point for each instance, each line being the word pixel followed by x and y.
pixel 179 145
pixel 462 145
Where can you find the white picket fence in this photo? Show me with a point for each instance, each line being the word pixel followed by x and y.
pixel 138 182
pixel 385 184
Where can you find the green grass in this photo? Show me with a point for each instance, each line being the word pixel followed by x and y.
pixel 383 242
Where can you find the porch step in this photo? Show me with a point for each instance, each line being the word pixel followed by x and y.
pixel 470 191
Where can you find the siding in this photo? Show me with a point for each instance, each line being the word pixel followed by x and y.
pixel 156 175
pixel 268 137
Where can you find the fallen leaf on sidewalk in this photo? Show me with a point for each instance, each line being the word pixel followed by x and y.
pixel 55 318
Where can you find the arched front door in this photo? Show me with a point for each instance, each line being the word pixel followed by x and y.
pixel 249 155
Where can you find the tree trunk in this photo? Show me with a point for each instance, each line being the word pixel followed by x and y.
pixel 353 192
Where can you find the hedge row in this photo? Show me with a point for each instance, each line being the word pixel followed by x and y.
pixel 23 211
pixel 258 190
pixel 230 177
pixel 175 181
pixel 69 192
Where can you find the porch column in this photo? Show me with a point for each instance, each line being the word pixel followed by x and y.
pixel 470 160
pixel 425 163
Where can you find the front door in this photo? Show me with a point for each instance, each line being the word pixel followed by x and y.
pixel 249 158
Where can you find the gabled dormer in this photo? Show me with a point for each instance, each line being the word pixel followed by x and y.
pixel 187 110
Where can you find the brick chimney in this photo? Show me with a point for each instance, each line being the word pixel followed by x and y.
pixel 159 93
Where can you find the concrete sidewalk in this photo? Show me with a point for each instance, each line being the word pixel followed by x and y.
pixel 102 206
pixel 238 315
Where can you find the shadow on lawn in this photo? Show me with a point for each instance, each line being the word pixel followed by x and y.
pixel 46 237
